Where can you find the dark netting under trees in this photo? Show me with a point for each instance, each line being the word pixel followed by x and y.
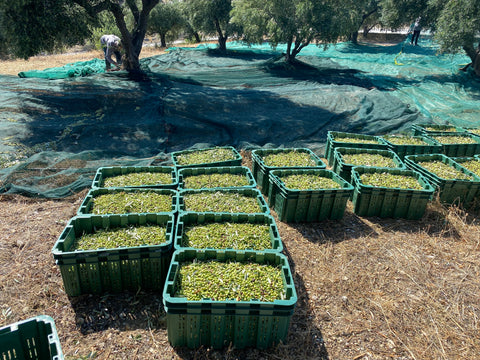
pixel 56 133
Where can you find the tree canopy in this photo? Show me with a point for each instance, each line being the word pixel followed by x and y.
pixel 29 27
pixel 32 26
pixel 166 17
pixel 294 22
pixel 211 17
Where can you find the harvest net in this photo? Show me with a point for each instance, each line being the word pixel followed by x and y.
pixel 56 133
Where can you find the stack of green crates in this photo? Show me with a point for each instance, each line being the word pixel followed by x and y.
pixel 104 173
pixel 450 190
pixel 428 129
pixel 187 220
pixel 292 205
pixel 351 140
pixel 387 201
pixel 212 323
pixel 458 149
pixel 344 169
pixel 234 159
pixel 35 338
pixel 425 146
pixel 103 270
pixel 232 170
pixel 261 171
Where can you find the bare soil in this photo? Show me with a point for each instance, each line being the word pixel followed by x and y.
pixel 368 288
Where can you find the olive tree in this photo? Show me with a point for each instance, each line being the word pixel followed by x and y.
pixel 457 27
pixel 296 23
pixel 33 26
pixel 211 17
pixel 455 23
pixel 166 18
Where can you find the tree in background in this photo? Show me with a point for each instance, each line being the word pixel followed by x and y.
pixel 457 27
pixel 296 23
pixel 211 17
pixel 363 14
pixel 455 23
pixel 33 26
pixel 166 18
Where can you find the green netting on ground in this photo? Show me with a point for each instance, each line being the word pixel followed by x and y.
pixel 196 97
pixel 82 68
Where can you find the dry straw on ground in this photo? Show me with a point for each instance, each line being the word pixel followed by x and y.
pixel 368 288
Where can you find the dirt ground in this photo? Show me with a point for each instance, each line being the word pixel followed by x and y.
pixel 368 288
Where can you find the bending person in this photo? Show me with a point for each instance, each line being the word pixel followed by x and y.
pixel 111 46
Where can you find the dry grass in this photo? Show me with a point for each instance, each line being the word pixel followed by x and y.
pixel 368 288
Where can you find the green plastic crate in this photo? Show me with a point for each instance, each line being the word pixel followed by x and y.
pixel 459 150
pixel 261 171
pixel 431 147
pixel 113 270
pixel 111 171
pixel 254 193
pixel 421 129
pixel 343 169
pixel 236 158
pixel 473 131
pixel 450 191
pixel 309 205
pixel 218 324
pixel 333 141
pixel 390 202
pixel 35 338
pixel 188 219
pixel 87 204
pixel 235 170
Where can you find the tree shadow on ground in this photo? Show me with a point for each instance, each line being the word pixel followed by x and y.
pixel 122 311
pixel 304 339
pixel 350 226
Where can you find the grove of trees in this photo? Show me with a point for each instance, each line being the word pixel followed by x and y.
pixel 29 27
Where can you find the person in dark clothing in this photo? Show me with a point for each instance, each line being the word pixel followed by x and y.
pixel 417 27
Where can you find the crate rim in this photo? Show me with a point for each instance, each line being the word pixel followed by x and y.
pixel 288 303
